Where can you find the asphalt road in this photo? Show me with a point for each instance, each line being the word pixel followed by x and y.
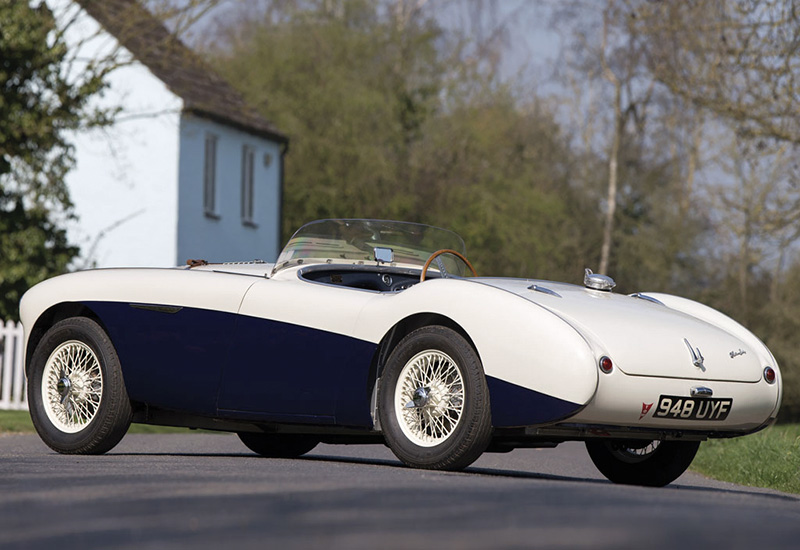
pixel 208 491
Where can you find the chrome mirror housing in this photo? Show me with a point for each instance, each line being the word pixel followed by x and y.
pixel 597 281
pixel 383 255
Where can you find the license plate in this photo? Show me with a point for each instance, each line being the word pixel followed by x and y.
pixel 693 408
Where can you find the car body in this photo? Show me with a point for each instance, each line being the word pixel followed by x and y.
pixel 367 331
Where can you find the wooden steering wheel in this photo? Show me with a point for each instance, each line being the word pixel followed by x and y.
pixel 459 255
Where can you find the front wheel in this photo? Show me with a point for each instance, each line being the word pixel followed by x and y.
pixel 76 392
pixel 650 463
pixel 434 402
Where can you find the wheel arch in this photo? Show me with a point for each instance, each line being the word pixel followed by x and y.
pixel 395 334
pixel 51 316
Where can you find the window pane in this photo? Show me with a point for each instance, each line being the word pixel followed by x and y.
pixel 209 175
pixel 247 184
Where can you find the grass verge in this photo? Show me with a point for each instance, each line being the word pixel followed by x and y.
pixel 20 422
pixel 15 422
pixel 770 458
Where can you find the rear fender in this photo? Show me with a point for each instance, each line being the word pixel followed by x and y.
pixel 521 345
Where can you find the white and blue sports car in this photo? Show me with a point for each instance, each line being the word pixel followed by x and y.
pixel 368 331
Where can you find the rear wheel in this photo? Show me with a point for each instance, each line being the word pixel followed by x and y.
pixel 634 462
pixel 278 445
pixel 434 402
pixel 76 392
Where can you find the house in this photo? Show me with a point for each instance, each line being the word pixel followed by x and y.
pixel 187 170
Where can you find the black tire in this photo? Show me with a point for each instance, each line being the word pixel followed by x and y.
pixel 103 424
pixel 633 462
pixel 278 445
pixel 469 432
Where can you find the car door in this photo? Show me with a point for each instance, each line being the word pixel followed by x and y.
pixel 294 356
pixel 173 331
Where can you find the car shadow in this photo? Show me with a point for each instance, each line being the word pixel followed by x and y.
pixel 519 474
pixel 476 471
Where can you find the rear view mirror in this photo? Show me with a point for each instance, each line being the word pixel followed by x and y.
pixel 383 255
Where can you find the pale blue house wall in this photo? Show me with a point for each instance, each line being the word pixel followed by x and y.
pixel 225 237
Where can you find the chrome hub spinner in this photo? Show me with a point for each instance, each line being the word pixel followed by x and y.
pixel 419 398
pixel 429 398
pixel 63 387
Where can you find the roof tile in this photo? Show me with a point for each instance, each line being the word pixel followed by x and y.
pixel 203 91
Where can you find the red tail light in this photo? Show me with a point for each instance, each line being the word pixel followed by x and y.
pixel 606 365
pixel 769 375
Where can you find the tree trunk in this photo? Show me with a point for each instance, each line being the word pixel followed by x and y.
pixel 613 164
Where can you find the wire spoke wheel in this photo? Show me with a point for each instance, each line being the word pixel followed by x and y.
pixel 76 390
pixel 632 452
pixel 429 398
pixel 433 401
pixel 73 386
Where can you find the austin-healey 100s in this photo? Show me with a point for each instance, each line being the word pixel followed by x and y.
pixel 370 331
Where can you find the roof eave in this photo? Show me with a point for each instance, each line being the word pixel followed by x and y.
pixel 268 133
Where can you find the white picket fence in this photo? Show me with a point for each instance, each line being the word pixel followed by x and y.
pixel 13 395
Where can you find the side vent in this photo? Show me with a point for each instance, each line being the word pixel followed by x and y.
pixel 544 290
pixel 646 298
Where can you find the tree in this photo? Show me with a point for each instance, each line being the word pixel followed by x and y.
pixel 326 75
pixel 32 248
pixel 759 230
pixel 40 102
pixel 392 116
pixel 633 131
pixel 47 92
pixel 736 58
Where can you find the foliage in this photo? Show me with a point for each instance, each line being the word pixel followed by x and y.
pixel 638 147
pixel 735 58
pixel 770 458
pixel 330 82
pixel 390 118
pixel 39 104
pixel 502 176
pixel 32 248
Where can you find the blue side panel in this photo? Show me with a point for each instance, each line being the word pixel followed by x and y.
pixel 279 370
pixel 170 357
pixel 514 405
pixel 227 365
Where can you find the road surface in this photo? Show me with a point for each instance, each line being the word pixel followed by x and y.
pixel 208 491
